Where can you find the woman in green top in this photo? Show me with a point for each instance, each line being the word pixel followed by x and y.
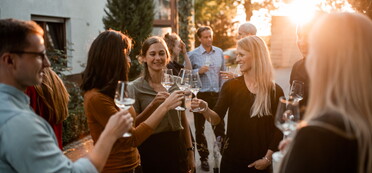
pixel 169 149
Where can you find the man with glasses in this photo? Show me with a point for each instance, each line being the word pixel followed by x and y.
pixel 27 141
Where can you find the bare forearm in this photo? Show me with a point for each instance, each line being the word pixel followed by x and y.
pixel 101 151
pixel 269 154
pixel 186 126
pixel 187 62
pixel 211 116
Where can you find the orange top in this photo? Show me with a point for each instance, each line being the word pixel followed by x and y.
pixel 124 154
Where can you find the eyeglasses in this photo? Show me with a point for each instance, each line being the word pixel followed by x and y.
pixel 41 54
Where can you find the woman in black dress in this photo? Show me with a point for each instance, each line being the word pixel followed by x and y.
pixel 251 102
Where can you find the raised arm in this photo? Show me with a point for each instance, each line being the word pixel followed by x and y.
pixel 174 100
pixel 208 114
pixel 186 57
pixel 159 99
pixel 117 125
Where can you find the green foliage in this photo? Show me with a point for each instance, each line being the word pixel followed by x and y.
pixel 75 126
pixel 186 25
pixel 134 18
pixel 218 15
pixel 250 7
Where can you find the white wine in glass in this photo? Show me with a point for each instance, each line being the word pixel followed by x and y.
pixel 167 79
pixel 287 115
pixel 183 82
pixel 297 90
pixel 123 100
pixel 195 86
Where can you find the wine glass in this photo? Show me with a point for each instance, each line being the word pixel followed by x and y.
pixel 123 100
pixel 195 85
pixel 297 90
pixel 237 71
pixel 286 119
pixel 183 82
pixel 167 79
pixel 287 115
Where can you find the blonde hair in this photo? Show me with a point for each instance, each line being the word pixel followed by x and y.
pixel 263 73
pixel 340 71
pixel 55 96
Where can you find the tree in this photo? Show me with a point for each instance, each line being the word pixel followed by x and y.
pixel 134 18
pixel 185 14
pixel 250 7
pixel 218 15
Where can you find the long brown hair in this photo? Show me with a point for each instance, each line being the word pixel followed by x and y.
pixel 55 96
pixel 107 62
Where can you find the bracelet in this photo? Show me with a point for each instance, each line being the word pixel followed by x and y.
pixel 206 108
pixel 267 159
pixel 190 149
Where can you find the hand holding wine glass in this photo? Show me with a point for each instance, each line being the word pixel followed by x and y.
pixel 287 115
pixel 297 90
pixel 286 119
pixel 123 100
pixel 174 100
pixel 198 104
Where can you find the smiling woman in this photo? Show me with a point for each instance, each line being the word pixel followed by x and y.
pixel 172 136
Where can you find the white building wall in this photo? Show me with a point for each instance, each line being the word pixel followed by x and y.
pixel 83 25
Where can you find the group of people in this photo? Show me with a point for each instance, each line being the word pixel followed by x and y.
pixel 335 136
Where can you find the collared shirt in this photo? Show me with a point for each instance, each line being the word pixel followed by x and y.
pixel 144 94
pixel 211 80
pixel 27 142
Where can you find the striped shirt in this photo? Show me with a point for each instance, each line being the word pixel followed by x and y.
pixel 211 80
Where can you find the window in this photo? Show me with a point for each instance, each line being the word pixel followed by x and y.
pixel 166 14
pixel 54 36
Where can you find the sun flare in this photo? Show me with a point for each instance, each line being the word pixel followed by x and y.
pixel 299 12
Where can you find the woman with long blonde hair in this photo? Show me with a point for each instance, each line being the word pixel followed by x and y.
pixel 337 136
pixel 251 102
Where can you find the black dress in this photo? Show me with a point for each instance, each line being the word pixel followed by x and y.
pixel 320 148
pixel 175 66
pixel 248 138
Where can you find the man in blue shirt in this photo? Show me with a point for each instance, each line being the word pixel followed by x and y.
pixel 208 61
pixel 27 141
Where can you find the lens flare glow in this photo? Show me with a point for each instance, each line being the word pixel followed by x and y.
pixel 299 11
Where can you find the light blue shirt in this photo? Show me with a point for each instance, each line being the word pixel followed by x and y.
pixel 211 80
pixel 27 141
